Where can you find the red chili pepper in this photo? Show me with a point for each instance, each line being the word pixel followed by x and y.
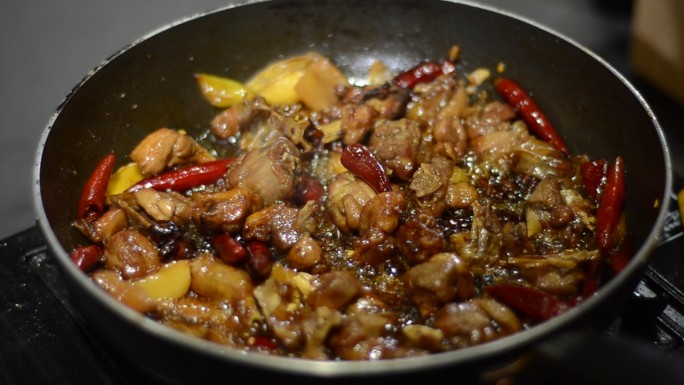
pixel 530 112
pixel 264 343
pixel 260 260
pixel 423 73
pixel 610 206
pixel 229 249
pixel 358 159
pixel 620 256
pixel 185 178
pixel 86 257
pixel 309 189
pixel 594 175
pixel 533 303
pixel 92 202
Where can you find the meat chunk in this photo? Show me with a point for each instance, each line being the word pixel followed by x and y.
pixel 335 290
pixel 224 211
pixel 276 224
pixel 441 279
pixel 493 116
pixel 480 247
pixel 419 237
pixel 364 335
pixel 430 183
pixel 211 319
pixel 476 321
pixel 347 196
pixel 282 299
pixel 131 254
pixel 237 118
pixel 450 138
pixel 124 291
pixel 164 206
pixel 258 125
pixel 357 122
pixel 99 231
pixel 270 172
pixel 380 217
pixel 396 143
pixel 431 98
pixel 214 279
pixel 166 148
pixel 305 254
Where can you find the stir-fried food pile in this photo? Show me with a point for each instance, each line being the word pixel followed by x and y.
pixel 414 213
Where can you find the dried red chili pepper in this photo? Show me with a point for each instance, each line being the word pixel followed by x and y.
pixel 229 249
pixel 620 256
pixel 530 112
pixel 594 175
pixel 610 206
pixel 92 202
pixel 423 73
pixel 185 178
pixel 358 159
pixel 86 257
pixel 260 261
pixel 309 189
pixel 536 304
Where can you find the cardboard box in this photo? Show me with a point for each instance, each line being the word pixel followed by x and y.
pixel 657 46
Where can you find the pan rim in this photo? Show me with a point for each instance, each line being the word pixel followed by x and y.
pixel 346 368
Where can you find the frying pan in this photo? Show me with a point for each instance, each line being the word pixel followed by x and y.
pixel 151 84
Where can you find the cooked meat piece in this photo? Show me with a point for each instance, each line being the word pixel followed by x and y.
pixel 164 206
pixel 364 334
pixel 380 216
pixel 211 319
pixel 389 100
pixel 557 273
pixel 539 158
pixel 396 143
pixel 99 231
pixel 424 337
pixel 317 326
pixel 430 98
pixel 270 172
pixel 237 118
pixel 441 279
pixel 224 211
pixel 335 290
pixel 214 279
pixel 259 125
pixel 124 291
pixel 480 247
pixel 347 195
pixel 419 237
pixel 276 224
pixel 305 254
pixel 483 120
pixel 131 254
pixel 475 321
pixel 430 183
pixel 166 148
pixel 382 212
pixel 281 299
pixel 357 122
pixel 450 137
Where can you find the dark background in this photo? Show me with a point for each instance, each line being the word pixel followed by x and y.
pixel 47 47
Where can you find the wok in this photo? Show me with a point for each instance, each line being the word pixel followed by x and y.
pixel 151 84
